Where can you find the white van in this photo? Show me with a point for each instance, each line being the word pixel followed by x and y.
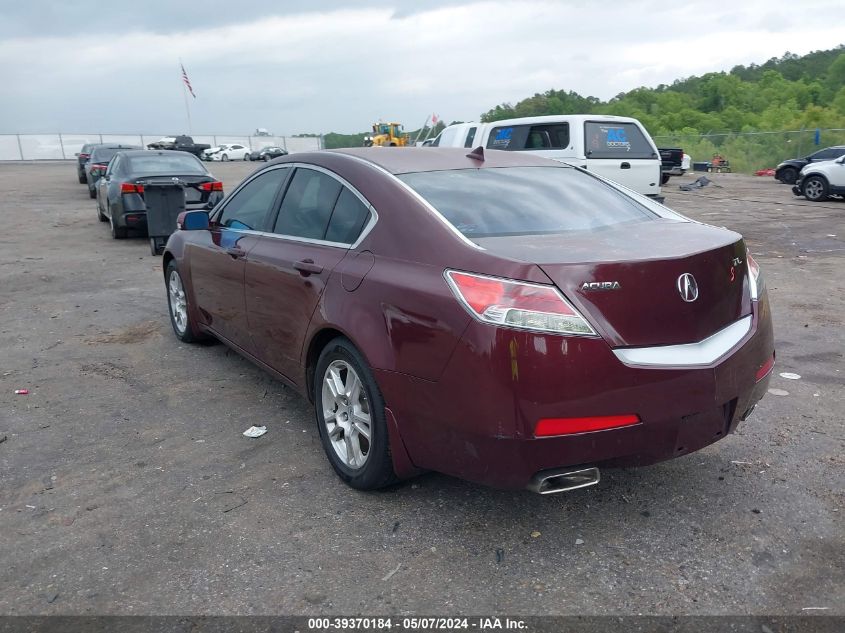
pixel 617 148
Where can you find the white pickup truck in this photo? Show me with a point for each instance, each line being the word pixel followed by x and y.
pixel 617 148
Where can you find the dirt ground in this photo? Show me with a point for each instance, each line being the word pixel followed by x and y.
pixel 126 486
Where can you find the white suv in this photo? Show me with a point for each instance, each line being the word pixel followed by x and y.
pixel 817 181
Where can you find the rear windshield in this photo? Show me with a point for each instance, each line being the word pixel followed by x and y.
pixel 176 163
pixel 615 140
pixel 528 137
pixel 106 153
pixel 524 200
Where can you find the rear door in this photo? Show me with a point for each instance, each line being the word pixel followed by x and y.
pixel 217 258
pixel 287 271
pixel 623 153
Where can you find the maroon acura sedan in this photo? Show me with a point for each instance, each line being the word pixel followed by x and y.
pixel 494 316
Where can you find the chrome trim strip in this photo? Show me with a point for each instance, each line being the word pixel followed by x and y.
pixel 364 232
pixel 420 199
pixel 689 354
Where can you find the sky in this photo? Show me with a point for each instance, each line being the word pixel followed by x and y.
pixel 315 67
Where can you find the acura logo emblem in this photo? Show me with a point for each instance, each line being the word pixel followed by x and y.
pixel 687 287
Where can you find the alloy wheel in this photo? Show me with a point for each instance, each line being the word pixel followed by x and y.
pixel 346 414
pixel 178 302
pixel 814 189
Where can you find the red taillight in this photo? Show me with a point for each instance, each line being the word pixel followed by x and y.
pixel 211 186
pixel 765 368
pixel 567 426
pixel 99 167
pixel 517 304
pixel 131 187
pixel 754 277
pixel 85 156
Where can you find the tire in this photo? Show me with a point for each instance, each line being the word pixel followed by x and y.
pixel 180 319
pixel 92 193
pixel 224 157
pixel 117 232
pixel 100 216
pixel 664 178
pixel 156 246
pixel 266 157
pixel 82 179
pixel 361 414
pixel 815 189
pixel 788 175
pixel 247 157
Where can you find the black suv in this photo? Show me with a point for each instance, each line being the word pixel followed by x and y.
pixel 787 172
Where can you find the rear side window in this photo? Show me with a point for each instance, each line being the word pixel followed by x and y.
pixel 525 200
pixel 615 140
pixel 470 137
pixel 529 137
pixel 308 205
pixel 249 207
pixel 348 218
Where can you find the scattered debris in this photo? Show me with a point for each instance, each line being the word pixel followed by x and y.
pixel 390 575
pixel 579 541
pixel 3 439
pixel 21 392
pixel 778 392
pixel 738 462
pixel 790 376
pixel 395 526
pixel 242 502
pixel 815 608
pixel 500 555
pixel 699 183
pixel 535 534
pixel 765 172
pixel 255 431
pixel 756 510
pixel 52 598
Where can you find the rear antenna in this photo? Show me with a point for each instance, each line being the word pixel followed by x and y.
pixel 477 154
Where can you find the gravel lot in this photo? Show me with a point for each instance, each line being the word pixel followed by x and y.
pixel 127 488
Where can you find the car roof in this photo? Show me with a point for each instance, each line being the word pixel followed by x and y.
pixel 402 160
pixel 149 152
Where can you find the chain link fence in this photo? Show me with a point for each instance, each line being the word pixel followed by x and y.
pixel 750 151
pixel 66 146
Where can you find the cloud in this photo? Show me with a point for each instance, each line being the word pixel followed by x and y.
pixel 340 68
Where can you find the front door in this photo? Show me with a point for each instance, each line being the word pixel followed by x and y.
pixel 217 260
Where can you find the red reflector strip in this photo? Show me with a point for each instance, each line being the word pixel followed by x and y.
pixel 568 426
pixel 765 369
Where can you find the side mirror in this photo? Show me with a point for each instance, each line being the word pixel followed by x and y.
pixel 192 221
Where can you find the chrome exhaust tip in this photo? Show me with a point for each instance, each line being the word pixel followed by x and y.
pixel 548 482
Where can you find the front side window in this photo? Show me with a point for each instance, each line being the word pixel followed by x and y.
pixel 525 200
pixel 307 205
pixel 615 140
pixel 250 206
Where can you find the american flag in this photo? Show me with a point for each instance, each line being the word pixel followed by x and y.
pixel 187 81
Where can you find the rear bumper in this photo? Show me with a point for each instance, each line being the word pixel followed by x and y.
pixel 477 421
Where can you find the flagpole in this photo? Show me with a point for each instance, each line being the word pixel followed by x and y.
pixel 185 94
pixel 421 129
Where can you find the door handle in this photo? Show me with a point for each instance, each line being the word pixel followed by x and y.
pixel 235 252
pixel 625 166
pixel 307 267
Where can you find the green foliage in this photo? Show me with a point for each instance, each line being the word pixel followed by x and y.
pixel 706 114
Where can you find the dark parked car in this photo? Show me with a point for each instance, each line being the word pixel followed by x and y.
pixel 97 163
pixel 81 159
pixel 787 171
pixel 120 193
pixel 180 143
pixel 507 319
pixel 267 153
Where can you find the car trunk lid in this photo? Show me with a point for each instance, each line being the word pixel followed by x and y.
pixel 631 279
